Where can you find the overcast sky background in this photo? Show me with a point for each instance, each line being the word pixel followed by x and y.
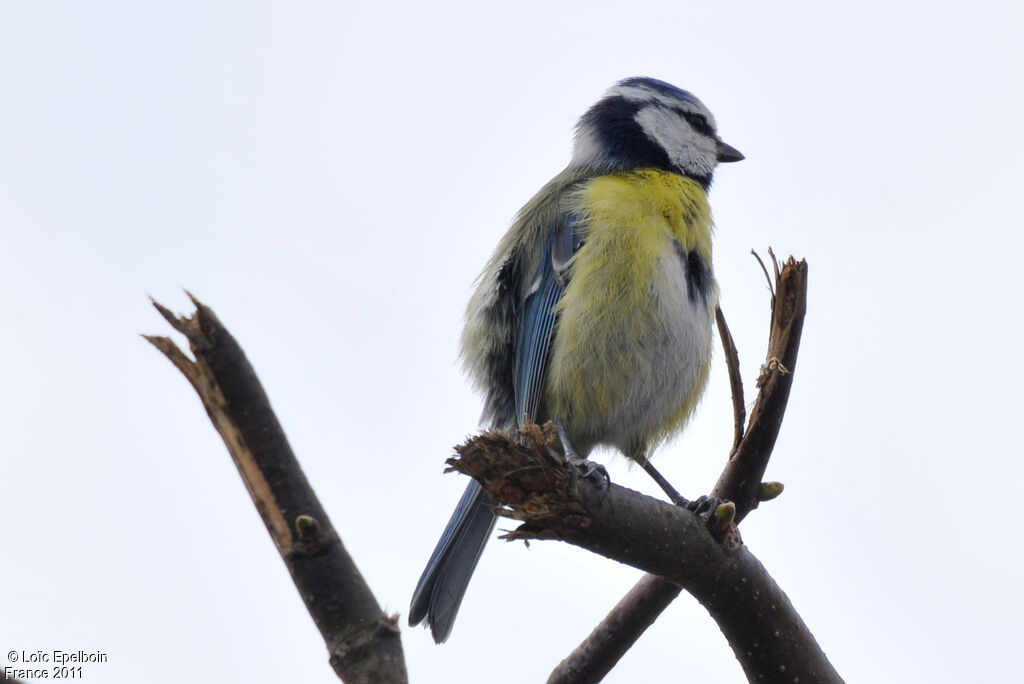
pixel 331 177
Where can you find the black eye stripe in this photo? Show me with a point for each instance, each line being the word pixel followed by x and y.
pixel 699 123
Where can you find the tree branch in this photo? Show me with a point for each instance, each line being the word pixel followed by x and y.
pixel 740 482
pixel 364 644
pixel 617 632
pixel 534 485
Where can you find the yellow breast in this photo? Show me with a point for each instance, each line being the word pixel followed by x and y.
pixel 630 354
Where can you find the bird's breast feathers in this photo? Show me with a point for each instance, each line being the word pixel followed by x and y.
pixel 633 340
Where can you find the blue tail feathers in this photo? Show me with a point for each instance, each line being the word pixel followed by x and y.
pixel 440 590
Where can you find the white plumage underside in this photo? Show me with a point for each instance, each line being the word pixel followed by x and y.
pixel 666 370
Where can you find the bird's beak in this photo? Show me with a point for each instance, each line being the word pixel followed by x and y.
pixel 728 153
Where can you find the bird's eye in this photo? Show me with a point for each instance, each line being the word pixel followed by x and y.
pixel 699 123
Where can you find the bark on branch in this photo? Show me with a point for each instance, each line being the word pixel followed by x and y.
pixel 364 644
pixel 740 482
pixel 535 486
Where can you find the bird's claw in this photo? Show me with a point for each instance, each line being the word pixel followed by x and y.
pixel 590 469
pixel 703 506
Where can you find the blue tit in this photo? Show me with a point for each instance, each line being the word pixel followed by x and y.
pixel 596 310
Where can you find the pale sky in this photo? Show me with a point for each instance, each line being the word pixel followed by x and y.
pixel 331 177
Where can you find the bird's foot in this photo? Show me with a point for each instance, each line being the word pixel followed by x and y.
pixel 703 506
pixel 589 468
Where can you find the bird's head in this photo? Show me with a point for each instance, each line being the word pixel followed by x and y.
pixel 646 123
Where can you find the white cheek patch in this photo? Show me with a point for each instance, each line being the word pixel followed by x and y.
pixel 686 149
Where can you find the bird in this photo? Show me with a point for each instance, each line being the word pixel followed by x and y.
pixel 596 310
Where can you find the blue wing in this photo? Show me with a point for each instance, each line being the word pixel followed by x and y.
pixel 442 586
pixel 537 322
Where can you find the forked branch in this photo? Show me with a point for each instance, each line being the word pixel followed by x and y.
pixel 740 481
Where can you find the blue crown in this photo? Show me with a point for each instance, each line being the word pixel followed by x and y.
pixel 660 87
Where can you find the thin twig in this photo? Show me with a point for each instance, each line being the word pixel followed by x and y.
pixel 764 269
pixel 732 362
